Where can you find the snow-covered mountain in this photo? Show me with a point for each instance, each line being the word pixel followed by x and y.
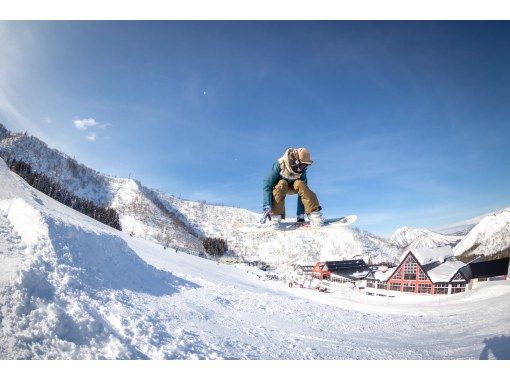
pixel 491 235
pixel 463 227
pixel 149 213
pixel 407 237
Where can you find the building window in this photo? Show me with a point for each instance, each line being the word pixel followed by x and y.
pixel 341 280
pixel 370 283
pixel 398 275
pixel 458 277
pixel 441 289
pixel 410 288
pixel 425 288
pixel 381 285
pixel 394 286
pixel 458 288
pixel 421 275
pixel 410 269
pixel 482 279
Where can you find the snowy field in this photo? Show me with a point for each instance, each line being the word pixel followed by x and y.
pixel 71 287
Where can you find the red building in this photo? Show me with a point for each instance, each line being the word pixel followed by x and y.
pixel 410 276
pixel 348 269
pixel 426 270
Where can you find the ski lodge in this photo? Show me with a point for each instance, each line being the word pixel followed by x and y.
pixel 341 271
pixel 421 270
pixel 303 269
pixel 434 271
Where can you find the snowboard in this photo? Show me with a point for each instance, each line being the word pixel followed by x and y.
pixel 298 226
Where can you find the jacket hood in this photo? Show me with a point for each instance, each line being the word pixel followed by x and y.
pixel 285 168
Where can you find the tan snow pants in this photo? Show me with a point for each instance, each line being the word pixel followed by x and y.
pixel 282 188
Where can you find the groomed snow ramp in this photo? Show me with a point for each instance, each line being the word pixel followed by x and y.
pixel 65 279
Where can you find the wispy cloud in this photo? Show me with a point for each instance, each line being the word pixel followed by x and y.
pixel 83 124
pixel 88 123
pixel 91 137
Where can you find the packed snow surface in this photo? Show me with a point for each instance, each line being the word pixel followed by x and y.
pixel 71 287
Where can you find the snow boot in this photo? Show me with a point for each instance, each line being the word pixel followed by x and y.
pixel 316 219
pixel 276 222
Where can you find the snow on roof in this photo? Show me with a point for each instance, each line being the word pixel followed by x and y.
pixel 429 255
pixel 351 275
pixel 383 276
pixel 445 271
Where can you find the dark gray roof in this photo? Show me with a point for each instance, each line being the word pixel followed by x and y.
pixel 466 272
pixel 305 268
pixel 352 269
pixel 335 266
pixel 490 268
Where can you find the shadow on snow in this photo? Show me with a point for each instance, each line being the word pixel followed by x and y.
pixel 498 346
pixel 106 262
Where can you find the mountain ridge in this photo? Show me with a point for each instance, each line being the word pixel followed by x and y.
pixel 409 237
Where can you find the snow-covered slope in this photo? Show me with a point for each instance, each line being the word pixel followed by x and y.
pixel 71 287
pixel 489 236
pixel 170 220
pixel 283 248
pixel 407 237
pixel 295 247
pixel 140 209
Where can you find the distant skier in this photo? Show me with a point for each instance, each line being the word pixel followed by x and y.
pixel 288 176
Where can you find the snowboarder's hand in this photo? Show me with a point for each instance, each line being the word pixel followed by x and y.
pixel 266 213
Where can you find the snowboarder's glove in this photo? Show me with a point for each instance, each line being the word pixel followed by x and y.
pixel 266 214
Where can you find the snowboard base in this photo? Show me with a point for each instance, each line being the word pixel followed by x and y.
pixel 295 226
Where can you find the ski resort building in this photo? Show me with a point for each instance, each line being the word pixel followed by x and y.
pixel 303 269
pixel 341 271
pixel 424 270
pixel 491 270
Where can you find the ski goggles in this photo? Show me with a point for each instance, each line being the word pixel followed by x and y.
pixel 300 167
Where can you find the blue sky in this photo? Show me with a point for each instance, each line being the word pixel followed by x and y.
pixel 408 122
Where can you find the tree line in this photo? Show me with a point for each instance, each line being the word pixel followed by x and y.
pixel 55 190
pixel 215 246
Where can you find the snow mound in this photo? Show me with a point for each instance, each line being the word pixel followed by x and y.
pixel 59 302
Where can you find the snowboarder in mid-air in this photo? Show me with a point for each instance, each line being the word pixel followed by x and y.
pixel 288 176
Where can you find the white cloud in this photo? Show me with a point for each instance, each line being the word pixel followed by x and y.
pixel 48 120
pixel 83 124
pixel 91 137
